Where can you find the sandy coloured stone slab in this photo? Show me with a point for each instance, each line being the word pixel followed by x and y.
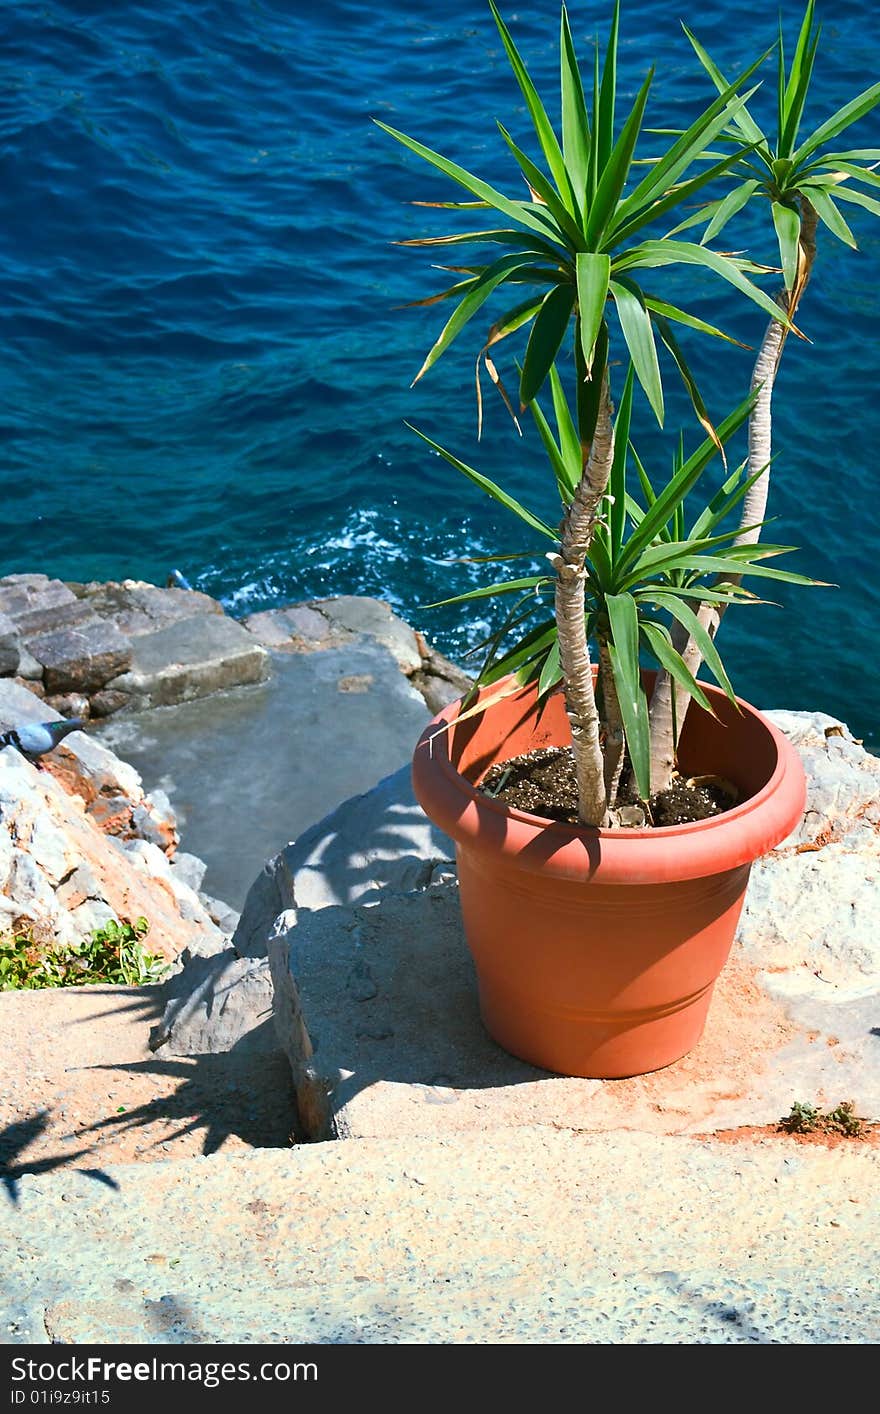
pixel 190 658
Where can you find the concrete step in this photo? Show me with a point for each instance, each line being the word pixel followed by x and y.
pixel 539 1235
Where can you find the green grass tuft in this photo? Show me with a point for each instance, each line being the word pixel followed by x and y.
pixel 112 954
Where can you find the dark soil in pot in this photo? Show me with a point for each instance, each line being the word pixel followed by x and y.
pixel 543 783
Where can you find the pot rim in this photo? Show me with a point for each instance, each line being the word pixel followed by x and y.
pixel 760 822
pixel 646 832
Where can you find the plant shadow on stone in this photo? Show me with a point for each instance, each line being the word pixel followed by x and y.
pixel 18 1137
pixel 238 1092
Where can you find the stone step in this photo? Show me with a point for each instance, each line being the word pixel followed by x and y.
pixel 377 1008
pixel 539 1236
pixel 641 1308
pixel 190 658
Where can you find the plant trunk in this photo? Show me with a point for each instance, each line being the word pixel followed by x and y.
pixel 574 653
pixel 669 702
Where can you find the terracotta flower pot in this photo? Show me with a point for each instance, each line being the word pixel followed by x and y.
pixel 597 951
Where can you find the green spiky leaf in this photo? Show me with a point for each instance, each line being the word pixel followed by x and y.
pixel 635 324
pixel 485 484
pixel 787 221
pixel 545 340
pixel 593 273
pixel 623 650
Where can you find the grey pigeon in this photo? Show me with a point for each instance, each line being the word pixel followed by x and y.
pixel 34 739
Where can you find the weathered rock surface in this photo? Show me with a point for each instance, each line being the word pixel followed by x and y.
pixel 106 702
pixel 321 624
pixel 438 680
pixel 67 704
pixel 57 608
pixel 22 595
pixel 18 704
pixel 811 913
pixel 99 648
pixel 10 650
pixel 296 627
pixel 375 841
pixel 80 843
pixel 250 769
pixel 62 875
pixel 220 913
pixel 74 649
pixel 82 657
pixel 329 623
pixel 382 998
pixel 29 670
pixel 137 607
pixel 189 658
pixel 216 1003
pixel 95 649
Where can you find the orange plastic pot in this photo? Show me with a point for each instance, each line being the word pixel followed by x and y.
pixel 597 951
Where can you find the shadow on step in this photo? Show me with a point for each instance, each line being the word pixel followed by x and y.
pixel 18 1137
pixel 242 1094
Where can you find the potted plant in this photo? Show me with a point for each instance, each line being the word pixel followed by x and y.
pixel 598 940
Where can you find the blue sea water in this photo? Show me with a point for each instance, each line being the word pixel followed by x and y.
pixel 203 359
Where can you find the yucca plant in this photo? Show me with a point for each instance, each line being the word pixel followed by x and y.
pixel 803 181
pixel 580 244
pixel 652 562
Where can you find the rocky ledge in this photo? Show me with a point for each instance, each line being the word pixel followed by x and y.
pixel 82 840
pixel 92 650
pixel 81 843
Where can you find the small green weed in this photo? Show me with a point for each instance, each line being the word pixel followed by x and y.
pixel 843 1120
pixel 112 954
pixel 807 1119
pixel 801 1119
